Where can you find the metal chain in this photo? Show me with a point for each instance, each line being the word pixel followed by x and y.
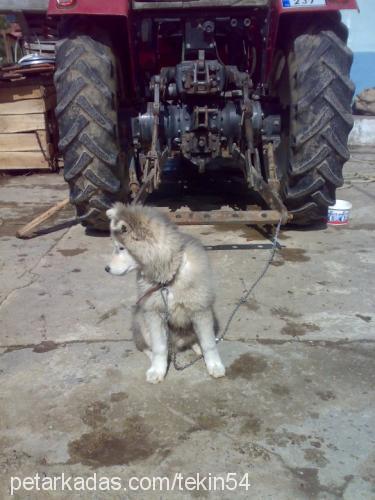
pixel 164 293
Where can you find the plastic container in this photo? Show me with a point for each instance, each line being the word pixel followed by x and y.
pixel 338 214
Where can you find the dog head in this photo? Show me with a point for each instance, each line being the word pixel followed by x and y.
pixel 150 239
pixel 121 261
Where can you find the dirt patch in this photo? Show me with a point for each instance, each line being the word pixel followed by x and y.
pixel 356 227
pixel 252 305
pixel 106 315
pixel 118 396
pixel 284 312
pixel 280 390
pixel 207 423
pixel 367 319
pixel 298 329
pixel 294 255
pixel 315 456
pixel 246 366
pixel 105 448
pixel 326 395
pixel 252 425
pixel 72 251
pixel 249 233
pixel 285 438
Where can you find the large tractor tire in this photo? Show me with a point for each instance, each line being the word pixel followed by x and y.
pixel 316 93
pixel 85 81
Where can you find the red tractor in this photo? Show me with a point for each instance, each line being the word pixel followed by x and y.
pixel 259 89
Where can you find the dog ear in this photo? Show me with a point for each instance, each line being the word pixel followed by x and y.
pixel 111 213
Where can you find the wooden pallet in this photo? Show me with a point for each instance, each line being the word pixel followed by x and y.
pixel 27 141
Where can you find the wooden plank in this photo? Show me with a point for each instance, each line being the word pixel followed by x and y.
pixel 23 161
pixel 23 123
pixel 27 106
pixel 12 93
pixel 23 107
pixel 24 141
pixel 28 230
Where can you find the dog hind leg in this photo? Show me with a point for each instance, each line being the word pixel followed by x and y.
pixel 204 327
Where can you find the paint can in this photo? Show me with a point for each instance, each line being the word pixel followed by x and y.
pixel 339 213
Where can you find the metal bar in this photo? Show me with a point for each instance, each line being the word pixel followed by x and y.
pixel 258 217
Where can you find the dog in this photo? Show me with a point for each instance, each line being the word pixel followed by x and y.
pixel 173 272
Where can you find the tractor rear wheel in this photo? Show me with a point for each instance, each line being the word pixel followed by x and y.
pixel 316 94
pixel 85 81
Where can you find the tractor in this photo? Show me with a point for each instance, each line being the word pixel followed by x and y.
pixel 256 89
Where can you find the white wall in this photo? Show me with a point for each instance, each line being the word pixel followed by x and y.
pixel 361 26
pixel 362 42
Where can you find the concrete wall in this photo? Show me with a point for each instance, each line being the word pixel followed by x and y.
pixel 362 42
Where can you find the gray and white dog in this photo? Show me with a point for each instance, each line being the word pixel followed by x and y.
pixel 174 264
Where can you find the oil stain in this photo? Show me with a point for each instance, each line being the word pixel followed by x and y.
pixel 105 448
pixel 72 251
pixel 95 414
pixel 277 263
pixel 284 312
pixel 294 255
pixel 246 366
pixel 45 346
pixel 367 319
pixel 298 329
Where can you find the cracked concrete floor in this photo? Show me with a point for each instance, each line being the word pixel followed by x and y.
pixel 296 410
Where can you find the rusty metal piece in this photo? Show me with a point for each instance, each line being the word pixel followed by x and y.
pixel 133 179
pixel 273 180
pixel 144 189
pixel 216 217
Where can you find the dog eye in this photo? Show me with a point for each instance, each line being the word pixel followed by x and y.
pixel 121 248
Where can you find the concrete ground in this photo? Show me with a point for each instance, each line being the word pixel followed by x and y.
pixel 296 410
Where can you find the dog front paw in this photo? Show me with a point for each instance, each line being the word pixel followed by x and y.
pixel 155 375
pixel 216 370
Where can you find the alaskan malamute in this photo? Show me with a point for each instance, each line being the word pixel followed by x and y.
pixel 173 269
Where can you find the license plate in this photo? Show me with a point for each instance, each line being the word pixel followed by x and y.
pixel 303 3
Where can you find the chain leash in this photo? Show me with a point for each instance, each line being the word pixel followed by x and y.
pixel 165 292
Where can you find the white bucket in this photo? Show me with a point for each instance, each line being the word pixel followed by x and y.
pixel 338 214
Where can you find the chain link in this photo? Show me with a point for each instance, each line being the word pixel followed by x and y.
pixel 165 292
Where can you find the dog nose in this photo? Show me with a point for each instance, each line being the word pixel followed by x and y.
pixel 107 269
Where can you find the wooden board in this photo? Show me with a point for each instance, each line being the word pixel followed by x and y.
pixel 12 93
pixel 24 141
pixel 23 161
pixel 27 106
pixel 22 123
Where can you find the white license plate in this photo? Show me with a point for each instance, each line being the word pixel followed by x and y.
pixel 303 3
